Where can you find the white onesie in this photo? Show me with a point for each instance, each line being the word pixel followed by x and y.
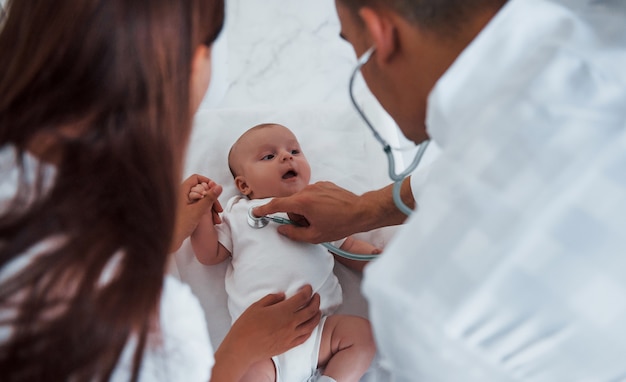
pixel 264 262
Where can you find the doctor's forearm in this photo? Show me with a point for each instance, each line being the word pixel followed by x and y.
pixel 377 208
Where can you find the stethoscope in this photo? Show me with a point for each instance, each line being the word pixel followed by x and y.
pixel 396 178
pixel 262 221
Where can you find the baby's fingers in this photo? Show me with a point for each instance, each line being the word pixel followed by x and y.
pixel 197 192
pixel 194 196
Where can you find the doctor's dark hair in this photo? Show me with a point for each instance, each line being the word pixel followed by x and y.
pixel 442 16
pixel 82 259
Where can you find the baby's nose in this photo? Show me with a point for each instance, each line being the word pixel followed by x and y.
pixel 286 155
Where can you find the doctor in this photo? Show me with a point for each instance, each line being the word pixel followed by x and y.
pixel 513 269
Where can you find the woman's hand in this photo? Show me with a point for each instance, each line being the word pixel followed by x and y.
pixel 267 328
pixel 191 206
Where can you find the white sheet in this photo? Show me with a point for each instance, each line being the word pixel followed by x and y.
pixel 339 148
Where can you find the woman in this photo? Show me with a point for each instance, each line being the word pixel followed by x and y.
pixel 96 105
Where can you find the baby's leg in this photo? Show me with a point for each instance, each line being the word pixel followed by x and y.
pixel 347 347
pixel 263 371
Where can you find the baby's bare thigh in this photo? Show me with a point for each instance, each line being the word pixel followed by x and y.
pixel 341 331
pixel 262 371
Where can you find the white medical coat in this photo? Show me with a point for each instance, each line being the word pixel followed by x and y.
pixel 513 268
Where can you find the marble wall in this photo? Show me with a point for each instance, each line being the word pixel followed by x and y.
pixel 280 53
pixel 288 54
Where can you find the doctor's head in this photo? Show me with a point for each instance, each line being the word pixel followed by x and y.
pixel 267 161
pixel 416 41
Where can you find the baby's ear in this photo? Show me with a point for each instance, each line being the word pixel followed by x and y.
pixel 242 185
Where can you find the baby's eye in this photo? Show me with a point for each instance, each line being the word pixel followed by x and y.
pixel 295 152
pixel 268 157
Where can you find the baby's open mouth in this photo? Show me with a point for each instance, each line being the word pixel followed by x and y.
pixel 290 174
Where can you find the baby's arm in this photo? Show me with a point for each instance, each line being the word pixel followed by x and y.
pixel 356 246
pixel 204 241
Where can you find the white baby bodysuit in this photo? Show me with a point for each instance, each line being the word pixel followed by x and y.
pixel 264 261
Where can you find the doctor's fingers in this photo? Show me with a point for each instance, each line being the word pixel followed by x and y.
pixel 327 208
pixel 291 204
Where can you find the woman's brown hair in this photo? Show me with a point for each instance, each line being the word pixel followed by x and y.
pixel 118 73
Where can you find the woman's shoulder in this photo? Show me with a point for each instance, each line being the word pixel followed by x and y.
pixel 177 299
pixel 180 350
pixel 185 335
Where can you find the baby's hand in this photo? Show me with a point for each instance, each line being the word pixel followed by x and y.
pixel 198 191
pixel 210 190
pixel 193 204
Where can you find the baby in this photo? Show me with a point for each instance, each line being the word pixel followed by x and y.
pixel 266 161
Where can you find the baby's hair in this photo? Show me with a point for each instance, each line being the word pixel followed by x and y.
pixel 253 128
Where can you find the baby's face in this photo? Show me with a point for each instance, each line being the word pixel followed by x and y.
pixel 270 163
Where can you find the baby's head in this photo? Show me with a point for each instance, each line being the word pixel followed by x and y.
pixel 266 161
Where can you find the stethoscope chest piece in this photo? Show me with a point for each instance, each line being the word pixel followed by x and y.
pixel 260 222
pixel 257 222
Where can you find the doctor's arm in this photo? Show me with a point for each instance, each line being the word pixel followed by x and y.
pixel 327 212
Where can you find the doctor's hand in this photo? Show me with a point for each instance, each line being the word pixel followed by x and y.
pixel 323 211
pixel 269 327
pixel 197 196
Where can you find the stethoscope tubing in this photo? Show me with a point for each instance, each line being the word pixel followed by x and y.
pixel 262 221
pixel 395 177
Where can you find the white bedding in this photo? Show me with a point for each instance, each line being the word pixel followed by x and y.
pixel 339 148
